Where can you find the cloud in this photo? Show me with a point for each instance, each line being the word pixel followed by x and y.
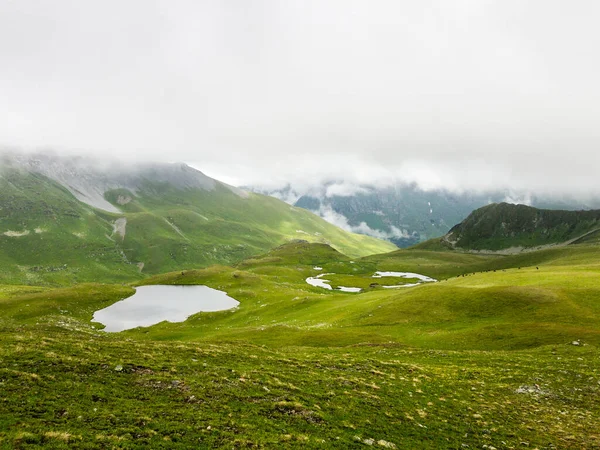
pixel 344 189
pixel 464 94
pixel 516 199
pixel 339 220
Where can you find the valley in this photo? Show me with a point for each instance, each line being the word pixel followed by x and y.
pixel 331 340
pixel 299 225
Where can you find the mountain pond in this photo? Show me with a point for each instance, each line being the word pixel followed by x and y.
pixel 153 304
pixel 319 281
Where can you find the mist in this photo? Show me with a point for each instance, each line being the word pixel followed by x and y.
pixel 462 95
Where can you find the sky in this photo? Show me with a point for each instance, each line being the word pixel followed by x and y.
pixel 459 94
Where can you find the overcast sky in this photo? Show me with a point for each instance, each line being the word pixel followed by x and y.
pixel 452 92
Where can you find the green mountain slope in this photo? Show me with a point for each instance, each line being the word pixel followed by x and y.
pixel 502 225
pixel 46 234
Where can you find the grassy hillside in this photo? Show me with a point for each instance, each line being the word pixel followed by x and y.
pixel 513 302
pixel 222 227
pixel 484 359
pixel 67 389
pixel 48 236
pixel 502 225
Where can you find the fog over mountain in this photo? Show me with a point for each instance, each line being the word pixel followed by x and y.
pixel 405 213
pixel 467 94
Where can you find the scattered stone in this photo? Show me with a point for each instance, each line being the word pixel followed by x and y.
pixel 531 389
pixel 123 199
pixel 118 368
pixel 575 343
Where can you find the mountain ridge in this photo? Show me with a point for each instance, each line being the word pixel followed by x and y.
pixel 88 179
pixel 501 226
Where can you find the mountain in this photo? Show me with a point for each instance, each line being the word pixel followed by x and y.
pixel 404 213
pixel 73 219
pixel 501 225
pixel 489 356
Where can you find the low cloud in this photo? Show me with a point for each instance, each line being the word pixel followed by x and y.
pixel 269 93
pixel 516 199
pixel 344 189
pixel 339 220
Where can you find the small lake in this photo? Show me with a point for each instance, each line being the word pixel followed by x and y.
pixel 153 304
pixel 319 281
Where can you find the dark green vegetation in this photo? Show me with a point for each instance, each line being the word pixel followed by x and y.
pixel 481 359
pixel 502 225
pixel 48 236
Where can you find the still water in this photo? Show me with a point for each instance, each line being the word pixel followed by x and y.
pixel 153 304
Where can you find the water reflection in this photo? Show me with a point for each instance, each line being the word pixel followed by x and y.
pixel 153 304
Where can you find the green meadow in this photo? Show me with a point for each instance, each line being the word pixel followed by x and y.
pixel 501 352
